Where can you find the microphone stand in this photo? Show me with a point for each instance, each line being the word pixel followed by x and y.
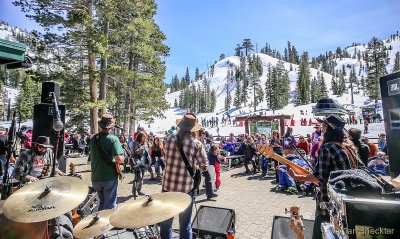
pixel 57 128
pixel 294 147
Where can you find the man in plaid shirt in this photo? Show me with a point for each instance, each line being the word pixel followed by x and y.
pixel 331 157
pixel 177 177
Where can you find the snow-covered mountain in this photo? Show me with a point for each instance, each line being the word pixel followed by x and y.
pixel 218 80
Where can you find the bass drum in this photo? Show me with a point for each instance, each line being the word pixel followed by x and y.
pixel 16 230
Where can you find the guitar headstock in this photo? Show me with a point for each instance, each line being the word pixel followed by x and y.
pixel 296 222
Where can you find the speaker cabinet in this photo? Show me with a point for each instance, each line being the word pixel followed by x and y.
pixel 43 125
pixel 213 221
pixel 390 92
pixel 47 88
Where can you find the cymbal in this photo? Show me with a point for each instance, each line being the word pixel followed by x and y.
pixel 15 230
pixel 144 211
pixel 94 225
pixel 45 199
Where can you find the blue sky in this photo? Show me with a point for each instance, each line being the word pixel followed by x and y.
pixel 199 31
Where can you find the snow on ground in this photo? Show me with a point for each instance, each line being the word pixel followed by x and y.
pixel 161 125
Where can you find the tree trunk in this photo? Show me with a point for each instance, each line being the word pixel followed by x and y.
pixel 103 76
pixel 127 112
pixel 92 69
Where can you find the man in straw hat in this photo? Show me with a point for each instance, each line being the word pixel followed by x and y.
pixel 106 154
pixel 36 163
pixel 331 157
pixel 177 177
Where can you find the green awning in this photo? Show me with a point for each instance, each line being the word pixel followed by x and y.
pixel 11 51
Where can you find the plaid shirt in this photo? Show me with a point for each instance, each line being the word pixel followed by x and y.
pixel 27 160
pixel 177 177
pixel 331 157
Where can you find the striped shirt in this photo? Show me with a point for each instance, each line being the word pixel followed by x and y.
pixel 177 177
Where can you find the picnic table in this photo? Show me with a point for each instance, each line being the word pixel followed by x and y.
pixel 234 160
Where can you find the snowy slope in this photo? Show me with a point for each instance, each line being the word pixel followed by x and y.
pixel 218 83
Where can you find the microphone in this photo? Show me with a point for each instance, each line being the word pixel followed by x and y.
pixel 57 123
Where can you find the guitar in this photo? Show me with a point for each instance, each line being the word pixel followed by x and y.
pixel 269 153
pixel 296 221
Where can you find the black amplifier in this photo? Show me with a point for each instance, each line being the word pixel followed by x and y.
pixel 362 218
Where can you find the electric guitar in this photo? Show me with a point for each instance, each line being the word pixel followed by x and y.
pixel 296 221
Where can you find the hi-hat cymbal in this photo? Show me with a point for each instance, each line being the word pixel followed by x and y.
pixel 15 230
pixel 45 199
pixel 148 211
pixel 94 225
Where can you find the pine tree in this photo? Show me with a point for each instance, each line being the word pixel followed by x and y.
pixel 27 97
pixel 335 87
pixel 187 76
pixel 175 103
pixel 303 82
pixel 247 46
pixel 323 91
pixel 238 50
pixel 396 65
pixel 196 74
pixel 376 67
pixel 313 90
pixel 213 101
pixel 342 83
pixel 268 86
pixel 282 89
pixel 237 101
pixel 88 27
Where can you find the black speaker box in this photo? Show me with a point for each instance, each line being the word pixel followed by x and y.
pixel 47 88
pixel 281 228
pixel 43 125
pixel 213 221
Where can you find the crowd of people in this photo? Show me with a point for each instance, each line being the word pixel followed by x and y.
pixel 187 151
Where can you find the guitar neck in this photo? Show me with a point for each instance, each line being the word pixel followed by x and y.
pixel 269 153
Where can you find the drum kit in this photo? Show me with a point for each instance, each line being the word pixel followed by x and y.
pixel 26 212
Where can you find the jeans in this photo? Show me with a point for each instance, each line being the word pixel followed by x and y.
pixel 157 164
pixel 264 165
pixel 185 225
pixel 3 161
pixel 207 181
pixel 107 191
pixel 284 179
pixel 138 180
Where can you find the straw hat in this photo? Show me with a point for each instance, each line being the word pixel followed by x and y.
pixel 188 123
